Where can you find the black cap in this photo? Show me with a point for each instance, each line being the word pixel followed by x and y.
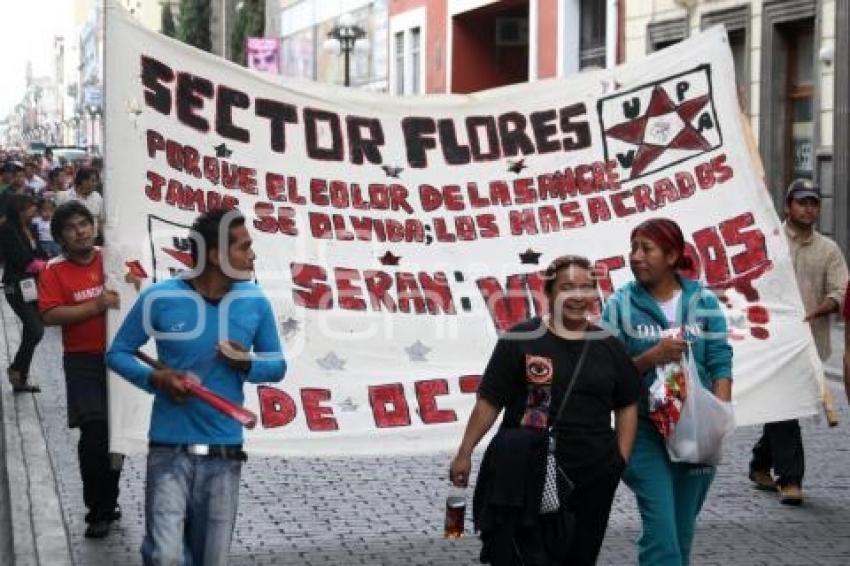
pixel 800 189
pixel 13 166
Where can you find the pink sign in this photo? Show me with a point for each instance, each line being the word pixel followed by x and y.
pixel 263 54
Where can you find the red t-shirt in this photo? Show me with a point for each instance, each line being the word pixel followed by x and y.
pixel 65 283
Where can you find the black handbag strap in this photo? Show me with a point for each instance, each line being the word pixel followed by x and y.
pixel 576 370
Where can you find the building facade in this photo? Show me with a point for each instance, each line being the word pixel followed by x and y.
pixel 36 117
pixel 303 27
pixel 462 46
pixel 146 12
pixel 222 19
pixel 89 107
pixel 793 83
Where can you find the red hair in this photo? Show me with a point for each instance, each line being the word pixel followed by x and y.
pixel 667 235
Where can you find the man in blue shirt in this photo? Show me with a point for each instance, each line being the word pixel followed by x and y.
pixel 218 325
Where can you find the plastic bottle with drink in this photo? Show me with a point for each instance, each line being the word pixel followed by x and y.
pixel 455 512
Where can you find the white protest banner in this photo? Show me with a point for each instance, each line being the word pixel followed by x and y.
pixel 395 236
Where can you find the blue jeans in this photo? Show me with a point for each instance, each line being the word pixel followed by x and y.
pixel 51 248
pixel 190 508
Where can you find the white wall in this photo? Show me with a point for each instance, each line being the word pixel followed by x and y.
pixel 404 23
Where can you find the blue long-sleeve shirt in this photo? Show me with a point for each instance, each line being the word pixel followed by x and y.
pixel 187 328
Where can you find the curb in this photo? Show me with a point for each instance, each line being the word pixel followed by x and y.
pixel 36 526
pixel 20 520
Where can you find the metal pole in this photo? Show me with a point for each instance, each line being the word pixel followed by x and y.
pixel 224 28
pixel 347 55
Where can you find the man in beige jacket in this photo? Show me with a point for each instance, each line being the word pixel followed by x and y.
pixel 847 344
pixel 822 278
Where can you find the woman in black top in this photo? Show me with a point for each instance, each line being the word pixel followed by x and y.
pixel 24 260
pixel 527 376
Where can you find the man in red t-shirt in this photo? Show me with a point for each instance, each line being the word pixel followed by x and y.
pixel 71 295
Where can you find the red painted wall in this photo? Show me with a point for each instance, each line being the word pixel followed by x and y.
pixel 477 63
pixel 401 6
pixel 434 49
pixel 547 38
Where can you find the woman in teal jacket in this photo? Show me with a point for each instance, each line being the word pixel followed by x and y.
pixel 656 316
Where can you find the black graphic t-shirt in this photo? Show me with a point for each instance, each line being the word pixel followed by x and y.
pixel 528 374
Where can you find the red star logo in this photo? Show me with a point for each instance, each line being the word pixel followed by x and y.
pixel 136 269
pixel 664 126
pixel 183 257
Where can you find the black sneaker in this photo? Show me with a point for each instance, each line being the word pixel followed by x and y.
pixel 97 529
pixel 115 515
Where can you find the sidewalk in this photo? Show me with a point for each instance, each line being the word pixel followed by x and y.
pixel 388 511
pixel 32 526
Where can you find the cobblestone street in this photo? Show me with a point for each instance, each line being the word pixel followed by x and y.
pixel 363 218
pixel 388 510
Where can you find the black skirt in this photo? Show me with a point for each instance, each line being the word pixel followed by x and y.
pixel 506 503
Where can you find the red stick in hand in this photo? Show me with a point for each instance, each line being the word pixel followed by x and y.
pixel 238 413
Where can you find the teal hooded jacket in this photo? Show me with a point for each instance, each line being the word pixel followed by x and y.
pixel 633 315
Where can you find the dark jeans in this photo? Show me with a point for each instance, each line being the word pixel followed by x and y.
pixel 85 386
pixel 591 503
pixel 51 248
pixel 781 448
pixel 100 481
pixel 33 330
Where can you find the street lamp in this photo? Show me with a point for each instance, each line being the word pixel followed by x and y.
pixel 36 96
pixel 344 38
pixel 78 117
pixel 94 112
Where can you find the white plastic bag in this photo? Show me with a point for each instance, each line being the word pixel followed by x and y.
pixel 704 424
